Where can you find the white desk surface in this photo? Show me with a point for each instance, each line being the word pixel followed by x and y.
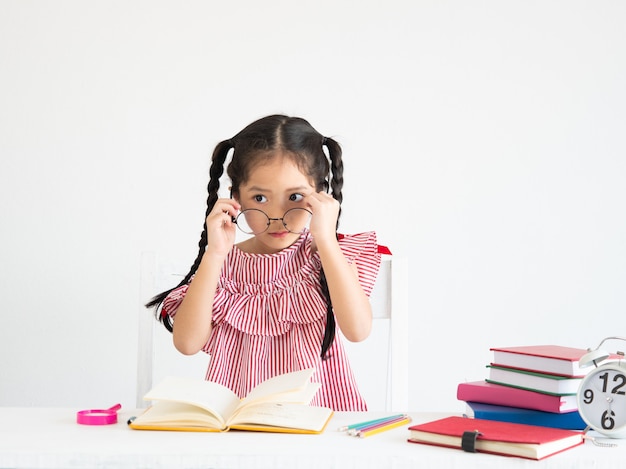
pixel 51 438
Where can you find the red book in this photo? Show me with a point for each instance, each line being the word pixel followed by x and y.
pixel 498 394
pixel 552 359
pixel 492 436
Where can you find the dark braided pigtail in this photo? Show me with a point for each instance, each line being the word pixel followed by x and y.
pixel 215 172
pixel 336 184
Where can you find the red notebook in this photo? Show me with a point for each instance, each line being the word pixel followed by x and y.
pixel 554 359
pixel 498 394
pixel 491 436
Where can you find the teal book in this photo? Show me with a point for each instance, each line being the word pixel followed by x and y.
pixel 566 421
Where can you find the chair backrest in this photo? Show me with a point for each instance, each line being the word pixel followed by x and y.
pixel 382 358
pixel 156 355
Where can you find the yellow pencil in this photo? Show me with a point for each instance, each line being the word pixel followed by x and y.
pixel 384 428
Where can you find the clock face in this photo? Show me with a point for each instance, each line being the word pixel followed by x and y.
pixel 602 400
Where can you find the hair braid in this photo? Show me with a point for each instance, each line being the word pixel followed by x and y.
pixel 215 172
pixel 336 166
pixel 336 184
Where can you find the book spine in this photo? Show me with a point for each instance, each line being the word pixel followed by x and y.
pixel 566 421
pixel 541 362
pixel 510 396
pixel 539 369
pixel 533 381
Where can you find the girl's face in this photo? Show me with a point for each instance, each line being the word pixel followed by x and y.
pixel 274 187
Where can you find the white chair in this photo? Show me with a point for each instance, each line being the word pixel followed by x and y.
pixel 383 357
pixel 156 355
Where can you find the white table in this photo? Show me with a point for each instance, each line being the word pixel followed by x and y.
pixel 51 438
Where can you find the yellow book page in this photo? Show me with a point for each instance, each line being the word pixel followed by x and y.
pixel 165 415
pixel 189 402
pixel 292 418
pixel 276 388
pixel 212 397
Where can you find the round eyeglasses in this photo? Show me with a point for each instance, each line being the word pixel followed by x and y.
pixel 254 221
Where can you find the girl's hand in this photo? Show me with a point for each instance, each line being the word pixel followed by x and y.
pixel 220 227
pixel 325 211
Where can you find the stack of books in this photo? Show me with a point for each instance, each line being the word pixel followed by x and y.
pixel 534 385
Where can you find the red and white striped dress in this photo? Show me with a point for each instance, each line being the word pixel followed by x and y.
pixel 269 317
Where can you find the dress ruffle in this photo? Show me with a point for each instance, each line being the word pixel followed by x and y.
pixel 268 294
pixel 271 310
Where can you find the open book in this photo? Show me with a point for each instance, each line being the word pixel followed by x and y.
pixel 279 404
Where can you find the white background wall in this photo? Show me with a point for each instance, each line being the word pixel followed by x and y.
pixel 483 141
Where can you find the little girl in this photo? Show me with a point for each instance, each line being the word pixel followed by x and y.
pixel 268 304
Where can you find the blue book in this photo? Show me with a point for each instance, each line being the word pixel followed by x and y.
pixel 567 421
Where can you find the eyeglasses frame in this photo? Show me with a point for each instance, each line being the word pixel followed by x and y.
pixel 269 219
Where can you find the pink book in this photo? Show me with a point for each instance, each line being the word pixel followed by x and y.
pixel 498 394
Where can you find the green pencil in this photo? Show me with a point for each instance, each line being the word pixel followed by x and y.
pixel 368 423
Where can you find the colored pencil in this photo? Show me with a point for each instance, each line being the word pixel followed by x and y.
pixel 384 428
pixel 372 426
pixel 368 423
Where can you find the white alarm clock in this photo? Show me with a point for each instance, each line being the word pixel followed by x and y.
pixel 602 393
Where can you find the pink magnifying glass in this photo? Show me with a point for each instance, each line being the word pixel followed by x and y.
pixel 98 416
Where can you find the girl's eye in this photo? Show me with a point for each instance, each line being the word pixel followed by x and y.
pixel 295 197
pixel 260 198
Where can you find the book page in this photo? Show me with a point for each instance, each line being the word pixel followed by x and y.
pixel 277 387
pixel 288 416
pixel 525 450
pixel 301 397
pixel 178 415
pixel 210 396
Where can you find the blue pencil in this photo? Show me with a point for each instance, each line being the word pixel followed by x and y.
pixel 368 423
pixel 384 427
pixel 357 431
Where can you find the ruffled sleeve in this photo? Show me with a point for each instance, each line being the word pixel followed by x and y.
pixel 362 249
pixel 173 300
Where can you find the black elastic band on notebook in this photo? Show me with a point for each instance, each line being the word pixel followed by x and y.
pixel 468 441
